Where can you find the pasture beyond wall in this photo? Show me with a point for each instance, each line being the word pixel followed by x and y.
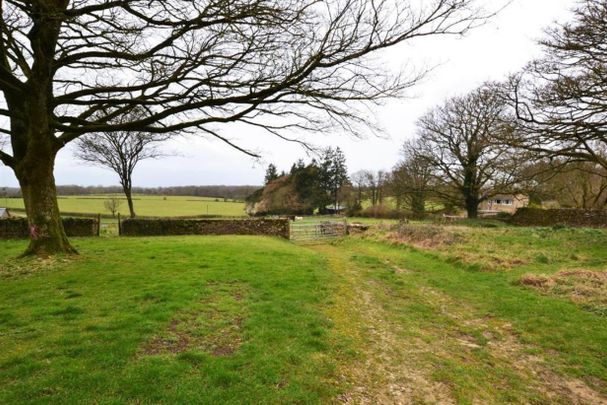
pixel 171 227
pixel 17 228
pixel 553 217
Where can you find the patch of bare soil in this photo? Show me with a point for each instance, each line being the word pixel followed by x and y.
pixel 172 341
pixel 398 366
pixel 390 375
pixel 24 267
pixel 389 372
pixel 214 325
pixel 584 287
pixel 499 339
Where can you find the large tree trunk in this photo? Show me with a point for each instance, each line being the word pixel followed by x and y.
pixel 472 203
pixel 33 136
pixel 35 175
pixel 129 200
pixel 418 202
pixel 470 189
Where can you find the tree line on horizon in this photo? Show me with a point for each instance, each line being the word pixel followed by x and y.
pixel 542 131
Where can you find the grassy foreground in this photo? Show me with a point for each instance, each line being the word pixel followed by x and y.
pixel 437 332
pixel 171 320
pixel 259 320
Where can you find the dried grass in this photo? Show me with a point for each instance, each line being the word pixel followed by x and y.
pixel 29 266
pixel 425 236
pixel 584 287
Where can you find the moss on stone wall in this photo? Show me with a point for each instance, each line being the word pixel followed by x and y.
pixel 553 217
pixel 168 227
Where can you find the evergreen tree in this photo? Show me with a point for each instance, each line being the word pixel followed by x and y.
pixel 271 174
pixel 298 166
pixel 307 186
pixel 333 175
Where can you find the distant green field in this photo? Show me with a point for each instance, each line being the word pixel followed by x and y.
pixel 153 206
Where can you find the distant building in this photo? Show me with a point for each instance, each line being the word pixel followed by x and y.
pixel 507 203
pixel 331 209
pixel 4 213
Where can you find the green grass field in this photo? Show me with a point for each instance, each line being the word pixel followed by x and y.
pixel 153 206
pixel 167 320
pixel 366 319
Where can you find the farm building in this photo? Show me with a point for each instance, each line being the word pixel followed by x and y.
pixel 507 203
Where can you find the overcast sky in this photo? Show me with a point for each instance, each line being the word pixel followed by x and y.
pixel 491 52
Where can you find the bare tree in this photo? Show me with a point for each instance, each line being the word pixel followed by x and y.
pixel 70 67
pixel 461 142
pixel 561 99
pixel 112 205
pixel 375 183
pixel 359 181
pixel 574 185
pixel 411 179
pixel 120 151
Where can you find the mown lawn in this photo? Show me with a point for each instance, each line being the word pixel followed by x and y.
pixel 260 320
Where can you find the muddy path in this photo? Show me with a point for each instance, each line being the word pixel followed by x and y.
pixel 416 344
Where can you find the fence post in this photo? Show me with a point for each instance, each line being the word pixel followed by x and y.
pixel 119 226
pixel 98 224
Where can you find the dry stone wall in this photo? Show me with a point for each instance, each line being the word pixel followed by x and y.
pixel 553 217
pixel 168 227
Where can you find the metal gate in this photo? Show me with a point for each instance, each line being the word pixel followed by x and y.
pixel 315 230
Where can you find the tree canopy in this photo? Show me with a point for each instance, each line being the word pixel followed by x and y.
pixel 461 143
pixel 70 68
pixel 561 98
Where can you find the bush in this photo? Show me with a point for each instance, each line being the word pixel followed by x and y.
pixel 503 216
